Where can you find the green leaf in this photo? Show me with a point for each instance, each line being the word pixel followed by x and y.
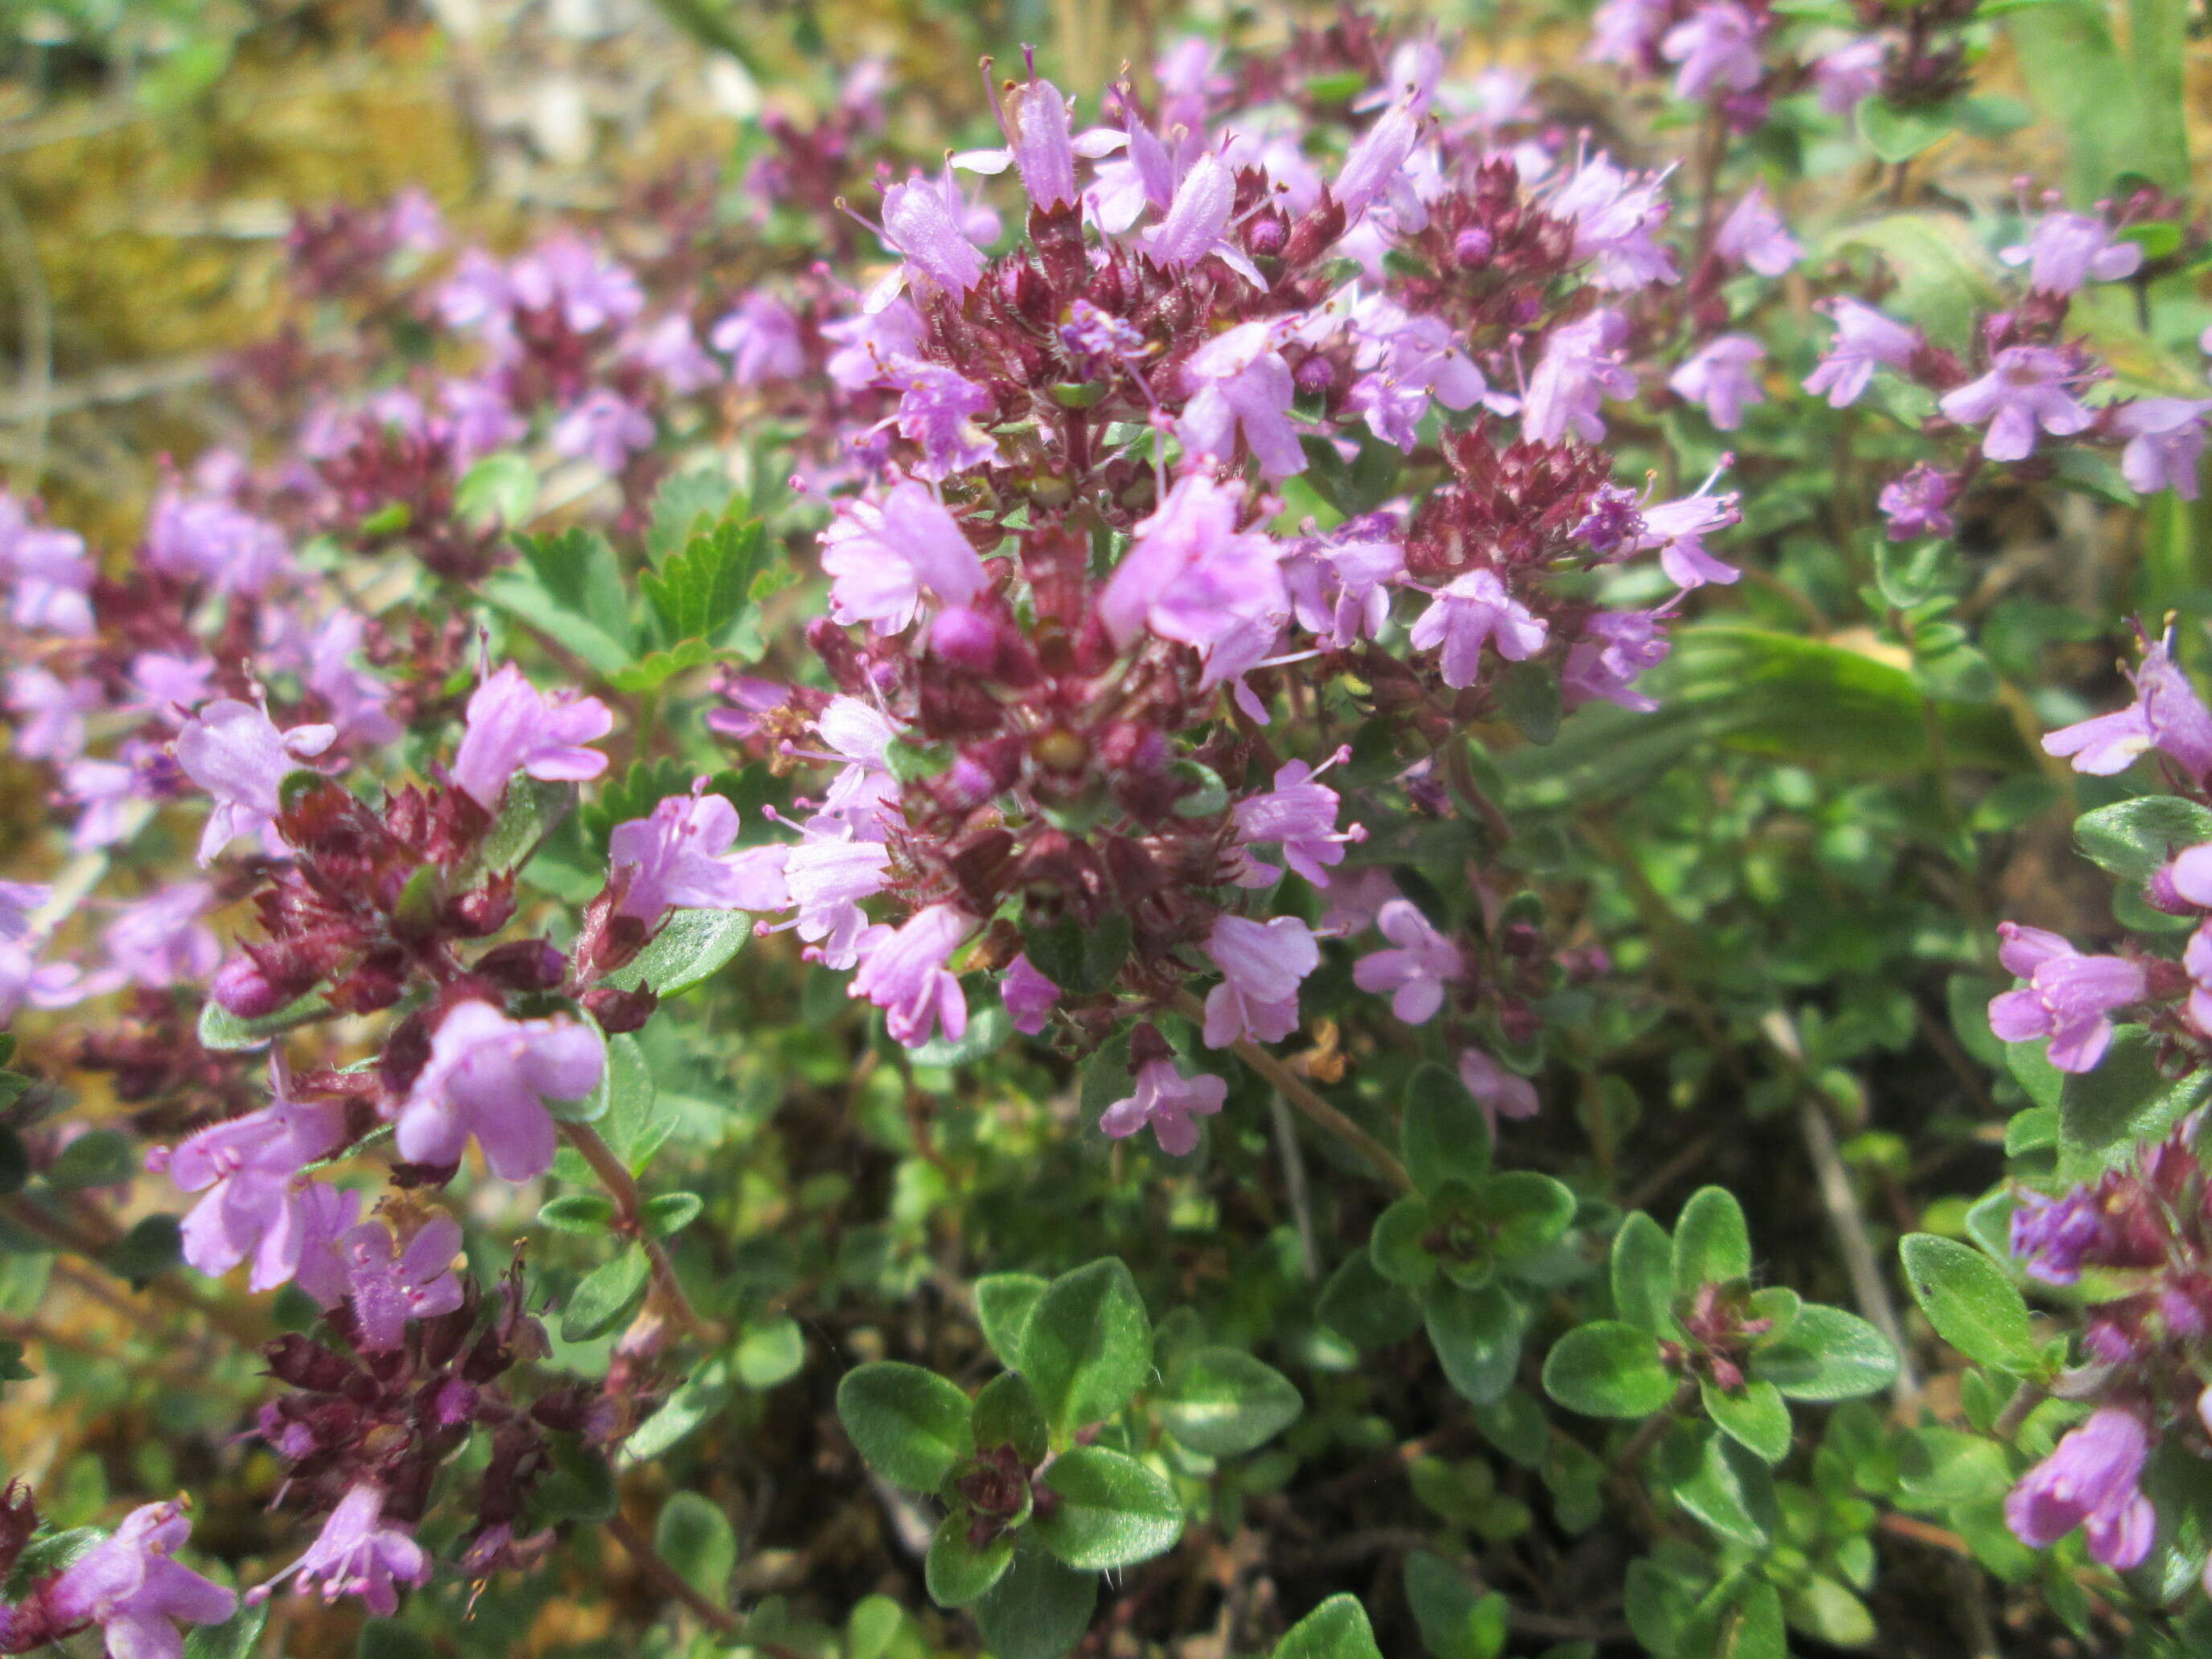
pixel 1082 961
pixel 695 1538
pixel 1753 1628
pixel 989 1028
pixel 1711 1244
pixel 911 1424
pixel 957 1572
pixel 154 1245
pixel 2132 838
pixel 1608 1368
pixel 698 1399
pixel 1477 1337
pixel 236 1638
pixel 701 592
pixel 98 1157
pixel 2076 76
pixel 1112 1510
pixel 1088 1346
pixel 1943 275
pixel 671 1213
pixel 1755 1416
pixel 1643 1275
pixel 1898 132
pixel 1732 1492
pixel 1454 1621
pixel 690 946
pixel 685 505
pixel 1039 1610
pixel 570 587
pixel 1527 695
pixel 1222 1402
pixel 1525 1213
pixel 1444 1132
pixel 634 1121
pixel 1827 1355
pixel 2105 1115
pixel 604 1295
pixel 221 1031
pixel 532 810
pixel 1398 1248
pixel 501 489
pixel 1337 1629
pixel 2158 45
pixel 774 1352
pixel 592 1214
pixel 1008 1413
pixel 656 668
pixel 1364 1308
pixel 1971 1302
pixel 1945 1466
pixel 1004 1303
pixel 1826 1610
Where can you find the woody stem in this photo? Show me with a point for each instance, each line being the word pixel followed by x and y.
pixel 629 1219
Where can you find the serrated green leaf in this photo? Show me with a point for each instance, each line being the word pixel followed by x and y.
pixel 700 592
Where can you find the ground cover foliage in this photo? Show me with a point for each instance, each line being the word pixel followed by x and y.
pixel 1393 836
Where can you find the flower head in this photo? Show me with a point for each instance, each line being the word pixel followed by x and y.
pixel 514 727
pixel 1417 971
pixel 130 1586
pixel 1168 1101
pixel 2026 388
pixel 882 555
pixel 233 750
pixel 490 1076
pixel 359 1552
pixel 2068 997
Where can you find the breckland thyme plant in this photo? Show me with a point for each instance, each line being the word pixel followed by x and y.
pixel 1464 663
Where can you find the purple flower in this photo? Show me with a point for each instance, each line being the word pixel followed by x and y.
pixel 1676 530
pixel 233 750
pixel 259 1205
pixel 1168 1101
pixel 827 878
pixel 1499 1092
pixel 2166 715
pixel 1864 339
pixel 604 427
pixel 917 223
pixel 1717 47
pixel 1339 584
pixel 1582 365
pixel 1617 647
pixel 1721 379
pixel 206 539
pixel 902 972
pixel 1197 222
pixel 1377 162
pixel 1417 971
pixel 359 1553
pixel 2052 1236
pixel 1096 338
pixel 1471 611
pixel 1615 215
pixel 761 340
pixel 50 713
pixel 869 341
pixel 18 899
pixel 1261 963
pixel 47 573
pixel 1238 381
pixel 24 978
pixel 1297 814
pixel 1850 74
pixel 1753 235
pixel 938 410
pixel 2067 997
pixel 881 556
pixel 490 1077
pixel 1626 32
pixel 1919 502
pixel 1033 115
pixel 2065 250
pixel 2090 1477
pixel 2165 444
pixel 354 697
pixel 131 1587
pixel 513 728
pixel 480 418
pixel 2196 955
pixel 1189 574
pixel 2025 389
pixel 668 350
pixel 160 940
pixel 1028 995
pixel 576 278
pixel 389 1286
pixel 679 858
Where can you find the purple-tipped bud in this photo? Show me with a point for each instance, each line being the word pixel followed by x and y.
pixel 241 988
pixel 1472 246
pixel 966 639
pixel 617 1011
pixel 524 964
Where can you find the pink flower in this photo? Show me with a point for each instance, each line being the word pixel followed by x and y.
pixel 1617 647
pixel 761 338
pixel 359 1553
pixel 160 940
pixel 2067 997
pixel 1753 235
pixel 389 1287
pixel 1377 160
pixel 1417 971
pixel 1190 574
pixel 1718 48
pixel 130 1586
pixel 1864 339
pixel 2090 1479
pixel 1499 1092
pixel 1850 74
pixel 881 557
pixel 1469 612
pixel 1615 215
pixel 918 223
pixel 938 409
pixel 18 899
pixel 1028 995
pixel 827 878
pixel 904 973
pixel 679 858
pixel 1035 118
pixel 259 1204
pixel 1197 222
pixel 513 728
pixel 233 750
pixel 1300 815
pixel 1582 364
pixel 1721 379
pixel 604 427
pixel 208 540
pixel 1168 1101
pixel 50 713
pixel 2196 955
pixel 1919 502
pixel 2065 250
pixel 577 279
pixel 2166 715
pixel 1676 530
pixel 47 572
pixel 1238 381
pixel 2165 444
pixel 1261 963
pixel 2025 389
pixel 668 349
pixel 490 1076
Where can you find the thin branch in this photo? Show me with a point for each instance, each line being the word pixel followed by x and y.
pixel 649 1561
pixel 1294 1088
pixel 629 1220
pixel 1294 1181
pixel 1647 1435
pixel 1868 1287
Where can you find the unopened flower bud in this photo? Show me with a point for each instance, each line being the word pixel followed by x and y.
pixel 524 964
pixel 966 639
pixel 241 988
pixel 617 1011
